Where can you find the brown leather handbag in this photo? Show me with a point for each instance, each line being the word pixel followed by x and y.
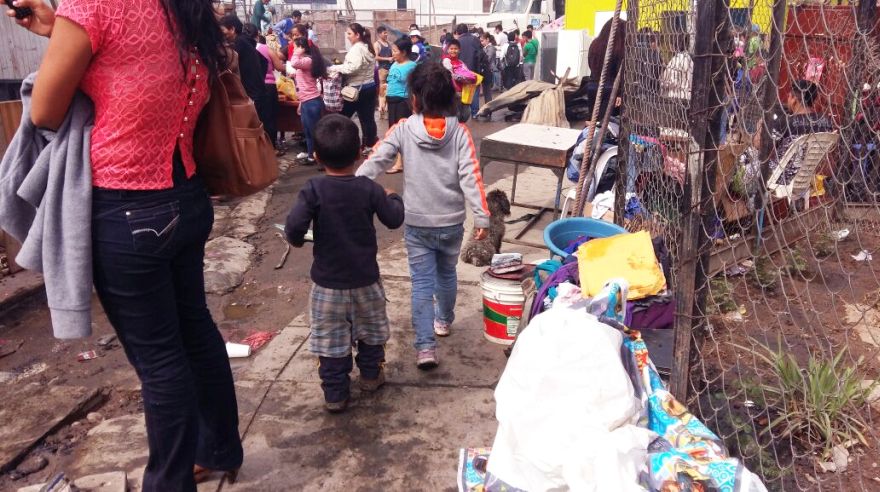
pixel 233 154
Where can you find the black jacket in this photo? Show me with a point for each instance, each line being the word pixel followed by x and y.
pixel 251 70
pixel 470 47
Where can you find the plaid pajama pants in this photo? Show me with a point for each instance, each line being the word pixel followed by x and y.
pixel 341 317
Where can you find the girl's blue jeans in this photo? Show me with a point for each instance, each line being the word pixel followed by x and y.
pixel 433 254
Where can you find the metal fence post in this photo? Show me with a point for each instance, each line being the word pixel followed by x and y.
pixel 698 212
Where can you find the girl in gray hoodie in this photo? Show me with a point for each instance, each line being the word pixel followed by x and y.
pixel 442 177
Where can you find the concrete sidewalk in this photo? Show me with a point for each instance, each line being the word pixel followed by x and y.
pixel 406 436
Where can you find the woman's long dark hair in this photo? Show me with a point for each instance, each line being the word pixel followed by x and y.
pixel 319 67
pixel 194 24
pixel 364 34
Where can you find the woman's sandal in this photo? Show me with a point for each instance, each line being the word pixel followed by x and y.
pixel 202 474
pixel 394 170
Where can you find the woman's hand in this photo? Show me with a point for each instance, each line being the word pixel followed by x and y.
pixel 299 51
pixel 41 22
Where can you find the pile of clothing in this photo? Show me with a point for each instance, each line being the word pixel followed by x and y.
pixel 643 262
pixel 580 406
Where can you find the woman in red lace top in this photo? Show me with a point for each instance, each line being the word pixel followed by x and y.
pixel 146 64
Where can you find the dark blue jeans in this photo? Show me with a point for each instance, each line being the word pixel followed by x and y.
pixel 310 113
pixel 148 252
pixel 365 107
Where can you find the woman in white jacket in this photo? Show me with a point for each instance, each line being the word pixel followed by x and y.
pixel 359 71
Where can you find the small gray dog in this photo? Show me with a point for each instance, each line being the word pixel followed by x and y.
pixel 479 252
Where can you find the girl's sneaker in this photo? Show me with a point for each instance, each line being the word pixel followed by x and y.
pixel 441 328
pixel 427 359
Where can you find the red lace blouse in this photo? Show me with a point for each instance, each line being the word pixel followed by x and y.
pixel 144 103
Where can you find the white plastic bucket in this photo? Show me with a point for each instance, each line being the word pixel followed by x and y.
pixel 502 308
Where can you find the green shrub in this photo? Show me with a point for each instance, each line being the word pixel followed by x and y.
pixel 820 405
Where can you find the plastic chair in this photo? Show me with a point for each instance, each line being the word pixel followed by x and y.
pixel 815 146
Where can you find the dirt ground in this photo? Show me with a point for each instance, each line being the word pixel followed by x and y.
pixel 807 312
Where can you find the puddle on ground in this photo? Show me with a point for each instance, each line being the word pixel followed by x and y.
pixel 240 310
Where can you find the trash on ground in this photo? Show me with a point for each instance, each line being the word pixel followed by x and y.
pixel 87 355
pixel 258 339
pixel 286 251
pixel 506 262
pixel 236 350
pixel 735 316
pixel 864 255
pixel 839 461
pixel 739 269
pixel 9 347
pixel 841 234
pixel 107 341
pixel 29 466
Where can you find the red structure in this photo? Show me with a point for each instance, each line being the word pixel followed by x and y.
pixel 825 33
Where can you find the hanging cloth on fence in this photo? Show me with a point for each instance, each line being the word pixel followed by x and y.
pixel 630 256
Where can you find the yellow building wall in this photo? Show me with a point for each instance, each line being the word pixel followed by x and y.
pixel 581 14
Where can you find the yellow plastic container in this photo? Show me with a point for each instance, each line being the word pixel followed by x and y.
pixel 468 90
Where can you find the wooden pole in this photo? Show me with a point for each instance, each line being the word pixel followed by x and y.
pixel 588 179
pixel 698 212
pixel 770 97
pixel 588 143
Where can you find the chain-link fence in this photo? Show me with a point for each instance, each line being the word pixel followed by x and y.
pixel 749 143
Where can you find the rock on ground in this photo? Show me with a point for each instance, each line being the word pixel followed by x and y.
pixel 226 261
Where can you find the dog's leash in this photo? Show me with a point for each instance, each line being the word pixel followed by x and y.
pixel 524 218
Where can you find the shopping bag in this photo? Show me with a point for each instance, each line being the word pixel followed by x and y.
pixel 468 90
pixel 286 86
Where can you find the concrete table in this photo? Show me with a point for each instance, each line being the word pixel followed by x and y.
pixel 525 144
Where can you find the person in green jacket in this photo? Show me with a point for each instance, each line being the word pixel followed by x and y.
pixel 261 17
pixel 530 55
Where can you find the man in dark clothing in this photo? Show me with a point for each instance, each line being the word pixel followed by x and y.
pixel 471 49
pixel 250 67
pixel 470 46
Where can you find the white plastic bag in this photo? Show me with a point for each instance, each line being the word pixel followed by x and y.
pixel 566 409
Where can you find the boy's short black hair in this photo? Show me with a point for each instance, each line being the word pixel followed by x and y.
pixel 461 29
pixel 296 14
pixel 431 86
pixel 337 141
pixel 381 29
pixel 230 21
pixel 453 42
pixel 805 91
pixel 527 34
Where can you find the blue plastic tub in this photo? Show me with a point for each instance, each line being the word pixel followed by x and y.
pixel 559 234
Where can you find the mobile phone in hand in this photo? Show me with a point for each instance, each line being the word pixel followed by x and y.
pixel 20 12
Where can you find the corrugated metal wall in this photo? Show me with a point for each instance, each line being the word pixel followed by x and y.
pixel 22 51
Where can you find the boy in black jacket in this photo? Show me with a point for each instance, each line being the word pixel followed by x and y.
pixel 347 299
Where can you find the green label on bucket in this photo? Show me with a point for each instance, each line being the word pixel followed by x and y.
pixel 512 326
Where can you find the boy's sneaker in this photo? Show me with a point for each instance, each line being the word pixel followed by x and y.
pixel 336 406
pixel 427 359
pixel 371 385
pixel 441 328
pixel 302 155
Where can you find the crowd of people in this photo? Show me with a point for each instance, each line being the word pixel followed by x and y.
pixel 493 61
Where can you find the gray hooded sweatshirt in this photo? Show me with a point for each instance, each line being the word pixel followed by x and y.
pixel 441 177
pixel 46 204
